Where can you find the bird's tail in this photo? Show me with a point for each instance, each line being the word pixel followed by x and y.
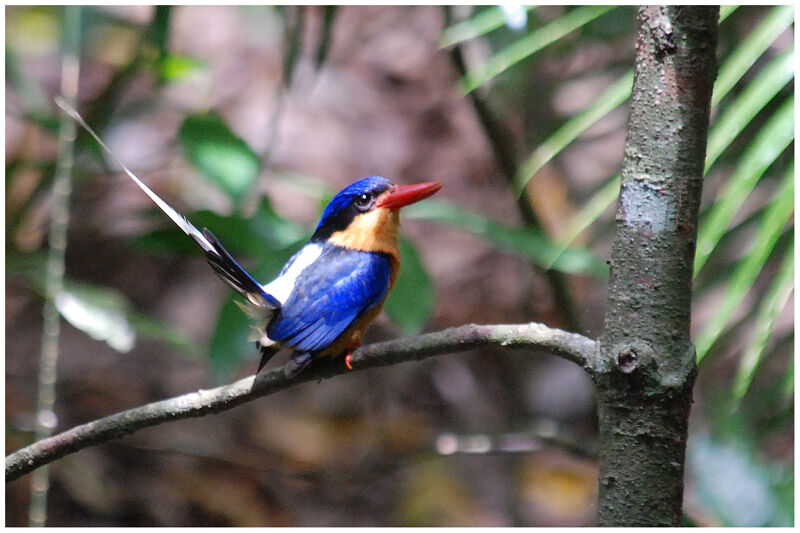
pixel 234 275
pixel 221 261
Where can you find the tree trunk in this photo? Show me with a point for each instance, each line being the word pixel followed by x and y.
pixel 647 363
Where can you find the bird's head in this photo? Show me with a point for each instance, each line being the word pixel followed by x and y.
pixel 365 215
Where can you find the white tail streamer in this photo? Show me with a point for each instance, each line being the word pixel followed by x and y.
pixel 176 217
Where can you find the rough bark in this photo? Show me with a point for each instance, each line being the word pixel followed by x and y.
pixel 647 364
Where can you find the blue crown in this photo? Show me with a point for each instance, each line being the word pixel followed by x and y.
pixel 344 198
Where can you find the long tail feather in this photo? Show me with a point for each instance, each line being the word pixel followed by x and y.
pixel 234 275
pixel 221 261
pixel 176 217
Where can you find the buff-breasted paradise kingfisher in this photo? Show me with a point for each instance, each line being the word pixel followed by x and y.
pixel 330 291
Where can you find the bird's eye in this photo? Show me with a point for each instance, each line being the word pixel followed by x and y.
pixel 363 200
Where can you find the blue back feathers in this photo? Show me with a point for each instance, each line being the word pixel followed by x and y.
pixel 341 210
pixel 330 295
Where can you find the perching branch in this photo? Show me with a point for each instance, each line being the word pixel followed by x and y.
pixel 576 348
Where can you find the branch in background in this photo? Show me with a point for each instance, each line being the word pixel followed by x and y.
pixel 542 433
pixel 571 346
pixel 502 143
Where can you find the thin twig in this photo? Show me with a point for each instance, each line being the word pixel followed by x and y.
pixel 574 347
pixel 45 405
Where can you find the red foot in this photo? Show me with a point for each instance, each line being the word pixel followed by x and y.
pixel 348 359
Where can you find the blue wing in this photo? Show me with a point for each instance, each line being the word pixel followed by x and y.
pixel 329 295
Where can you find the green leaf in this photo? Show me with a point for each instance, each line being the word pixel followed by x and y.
pixel 175 67
pixel 481 24
pixel 774 301
pixel 778 20
pixel 725 12
pixel 612 98
pixel 769 143
pixel 99 312
pixel 775 217
pixel 530 44
pixel 758 93
pixel 725 128
pixel 213 149
pixel 411 302
pixel 526 242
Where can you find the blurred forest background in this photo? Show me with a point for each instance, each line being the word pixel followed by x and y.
pixel 247 120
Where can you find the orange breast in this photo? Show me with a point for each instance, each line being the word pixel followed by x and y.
pixel 375 231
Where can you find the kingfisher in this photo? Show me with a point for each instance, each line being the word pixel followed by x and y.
pixel 331 290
